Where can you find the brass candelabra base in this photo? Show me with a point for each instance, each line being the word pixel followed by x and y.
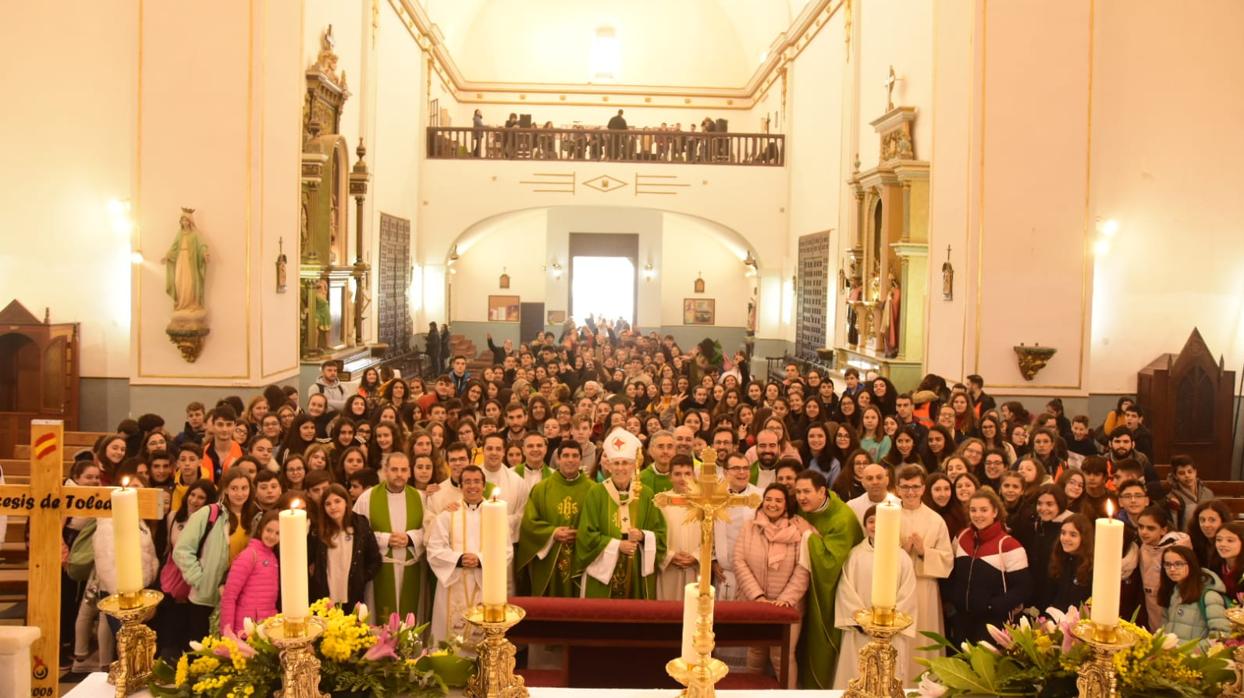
pixel 1097 678
pixel 494 676
pixel 136 643
pixel 300 668
pixel 1236 690
pixel 699 680
pixel 877 671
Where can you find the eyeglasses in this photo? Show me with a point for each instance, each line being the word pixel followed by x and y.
pixel 738 468
pixel 1134 495
pixel 910 488
pixel 1175 565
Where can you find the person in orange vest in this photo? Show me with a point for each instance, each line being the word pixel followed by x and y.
pixel 221 450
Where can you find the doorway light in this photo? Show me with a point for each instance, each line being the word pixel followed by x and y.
pixel 606 55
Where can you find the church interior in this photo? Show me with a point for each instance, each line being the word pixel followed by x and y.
pixel 229 196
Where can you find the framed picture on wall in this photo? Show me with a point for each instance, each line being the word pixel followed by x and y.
pixel 699 311
pixel 503 308
pixel 557 317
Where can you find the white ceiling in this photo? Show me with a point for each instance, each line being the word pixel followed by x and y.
pixel 684 43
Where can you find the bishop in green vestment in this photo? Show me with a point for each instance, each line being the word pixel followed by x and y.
pixel 837 532
pixel 544 565
pixel 621 530
pixel 395 512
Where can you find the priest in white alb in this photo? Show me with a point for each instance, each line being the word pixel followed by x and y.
pixel 681 564
pixel 395 512
pixel 726 533
pixel 506 483
pixel 924 536
pixel 454 545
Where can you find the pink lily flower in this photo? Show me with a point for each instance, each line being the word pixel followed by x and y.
pixel 385 647
pixel 1002 637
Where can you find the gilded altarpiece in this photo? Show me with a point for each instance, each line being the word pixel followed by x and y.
pixel 329 283
pixel 885 273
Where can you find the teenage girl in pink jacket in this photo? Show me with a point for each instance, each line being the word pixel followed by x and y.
pixel 253 585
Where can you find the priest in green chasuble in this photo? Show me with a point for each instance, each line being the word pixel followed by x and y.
pixel 657 475
pixel 395 512
pixel 621 531
pixel 837 532
pixel 544 565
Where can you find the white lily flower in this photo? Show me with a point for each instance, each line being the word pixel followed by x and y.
pixel 196 646
pixel 929 688
pixel 248 626
pixel 1023 623
pixel 1056 615
pixel 1170 642
pixel 363 612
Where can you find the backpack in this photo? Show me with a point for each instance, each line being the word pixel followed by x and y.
pixel 171 580
pixel 81 560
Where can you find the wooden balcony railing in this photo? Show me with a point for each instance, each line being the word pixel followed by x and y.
pixel 632 145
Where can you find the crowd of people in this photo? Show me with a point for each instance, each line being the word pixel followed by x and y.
pixel 577 434
pixel 617 140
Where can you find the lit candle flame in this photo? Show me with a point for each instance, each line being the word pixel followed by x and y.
pixel 295 504
pixel 1109 509
pixel 125 482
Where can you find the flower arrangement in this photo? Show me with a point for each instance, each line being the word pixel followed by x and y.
pixel 1039 656
pixel 355 659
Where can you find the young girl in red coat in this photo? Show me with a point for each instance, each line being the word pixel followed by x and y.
pixel 254 581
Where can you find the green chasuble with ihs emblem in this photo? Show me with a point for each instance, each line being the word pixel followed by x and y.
pixel 607 515
pixel 545 564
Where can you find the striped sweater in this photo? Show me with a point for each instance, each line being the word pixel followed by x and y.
pixel 990 579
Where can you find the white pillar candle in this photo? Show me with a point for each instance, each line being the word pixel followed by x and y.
pixel 294 563
pixel 1107 570
pixel 690 619
pixel 128 550
pixel 885 554
pixel 495 537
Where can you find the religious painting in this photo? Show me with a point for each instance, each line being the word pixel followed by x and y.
pixel 699 311
pixel 699 284
pixel 503 308
pixel 504 281
pixel 556 317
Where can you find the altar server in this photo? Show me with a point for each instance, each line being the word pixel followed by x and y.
pixel 680 565
pixel 924 536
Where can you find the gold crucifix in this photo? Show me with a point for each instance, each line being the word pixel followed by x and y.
pixel 708 501
pixel 45 501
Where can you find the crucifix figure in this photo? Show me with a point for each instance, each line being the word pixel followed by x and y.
pixel 889 90
pixel 45 501
pixel 707 501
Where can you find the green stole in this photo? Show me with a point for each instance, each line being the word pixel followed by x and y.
pixel 656 481
pixel 554 502
pixel 600 522
pixel 838 530
pixel 389 599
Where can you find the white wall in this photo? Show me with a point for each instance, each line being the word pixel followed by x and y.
pixel 690 250
pixel 72 78
pixel 895 33
pixel 1166 140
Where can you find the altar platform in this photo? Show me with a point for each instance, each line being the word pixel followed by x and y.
pixel 96 686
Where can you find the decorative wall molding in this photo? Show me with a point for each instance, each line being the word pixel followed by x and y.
pixel 782 52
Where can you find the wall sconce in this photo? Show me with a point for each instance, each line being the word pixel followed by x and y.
pixel 649 271
pixel 750 264
pixel 136 257
pixel 556 269
pixel 453 253
pixel 1106 230
pixel 119 217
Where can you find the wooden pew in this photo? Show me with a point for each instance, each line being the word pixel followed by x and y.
pixel 74 441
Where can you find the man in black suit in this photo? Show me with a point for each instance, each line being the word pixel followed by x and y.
pixel 617 123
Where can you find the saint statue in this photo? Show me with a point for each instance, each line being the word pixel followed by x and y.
pixel 948 278
pixel 186 266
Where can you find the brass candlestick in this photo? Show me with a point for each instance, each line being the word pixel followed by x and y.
pixel 700 679
pixel 136 643
pixel 877 672
pixel 494 677
pixel 300 668
pixel 1236 690
pixel 1097 678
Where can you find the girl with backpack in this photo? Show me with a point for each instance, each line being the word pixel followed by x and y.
pixel 1193 597
pixel 171 634
pixel 213 536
